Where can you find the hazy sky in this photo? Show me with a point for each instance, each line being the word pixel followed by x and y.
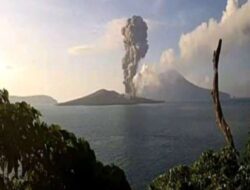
pixel 70 48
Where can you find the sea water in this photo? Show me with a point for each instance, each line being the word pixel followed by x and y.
pixel 146 140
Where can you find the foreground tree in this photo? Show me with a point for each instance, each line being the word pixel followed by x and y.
pixel 36 156
pixel 213 170
pixel 220 120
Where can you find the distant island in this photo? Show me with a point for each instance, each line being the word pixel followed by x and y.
pixel 107 97
pixel 34 100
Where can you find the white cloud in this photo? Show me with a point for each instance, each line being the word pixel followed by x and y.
pixel 196 47
pixel 110 40
pixel 233 28
pixel 231 8
pixel 167 59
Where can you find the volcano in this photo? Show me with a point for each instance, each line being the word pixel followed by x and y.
pixel 174 87
pixel 108 97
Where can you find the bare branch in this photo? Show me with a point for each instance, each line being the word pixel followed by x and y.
pixel 221 122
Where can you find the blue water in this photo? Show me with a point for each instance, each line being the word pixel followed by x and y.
pixel 146 140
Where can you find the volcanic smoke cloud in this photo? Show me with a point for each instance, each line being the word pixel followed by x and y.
pixel 136 46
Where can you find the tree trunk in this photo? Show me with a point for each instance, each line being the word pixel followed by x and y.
pixel 220 121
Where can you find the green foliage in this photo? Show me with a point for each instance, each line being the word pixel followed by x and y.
pixel 246 152
pixel 36 156
pixel 213 170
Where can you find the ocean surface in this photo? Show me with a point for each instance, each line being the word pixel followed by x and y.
pixel 146 140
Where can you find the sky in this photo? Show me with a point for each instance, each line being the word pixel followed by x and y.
pixel 71 48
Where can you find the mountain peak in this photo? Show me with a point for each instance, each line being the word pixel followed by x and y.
pixel 105 91
pixel 108 97
pixel 175 87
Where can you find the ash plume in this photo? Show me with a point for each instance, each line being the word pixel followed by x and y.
pixel 136 46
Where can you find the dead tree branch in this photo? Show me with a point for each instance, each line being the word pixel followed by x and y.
pixel 221 122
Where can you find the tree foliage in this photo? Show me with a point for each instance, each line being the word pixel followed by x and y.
pixel 34 155
pixel 213 170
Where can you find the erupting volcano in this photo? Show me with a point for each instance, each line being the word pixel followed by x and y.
pixel 136 46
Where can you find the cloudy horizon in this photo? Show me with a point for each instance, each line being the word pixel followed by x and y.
pixel 70 49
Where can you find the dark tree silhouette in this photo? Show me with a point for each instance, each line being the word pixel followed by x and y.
pixel 220 120
pixel 36 156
